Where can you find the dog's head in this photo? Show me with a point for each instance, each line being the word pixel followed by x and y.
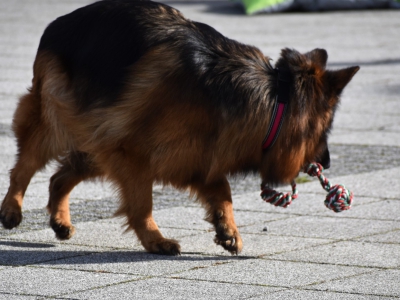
pixel 314 96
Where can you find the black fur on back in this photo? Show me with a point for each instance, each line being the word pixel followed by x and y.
pixel 97 43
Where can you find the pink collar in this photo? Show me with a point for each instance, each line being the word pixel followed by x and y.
pixel 280 107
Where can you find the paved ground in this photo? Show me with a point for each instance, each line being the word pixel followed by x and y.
pixel 303 252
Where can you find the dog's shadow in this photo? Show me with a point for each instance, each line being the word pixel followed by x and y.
pixel 50 254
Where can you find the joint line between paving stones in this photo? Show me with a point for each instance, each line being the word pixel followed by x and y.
pixel 266 256
pixel 353 239
pixel 142 277
pixel 29 295
pixel 227 282
pixel 91 271
pixel 269 293
pixel 103 286
pixel 333 292
pixel 163 276
pixel 294 214
pixel 339 278
pixel 369 130
pixel 33 264
pixel 305 288
pixel 69 243
pixel 330 264
pixel 330 239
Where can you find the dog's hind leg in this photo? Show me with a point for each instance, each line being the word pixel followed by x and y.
pixel 76 167
pixel 34 151
pixel 217 199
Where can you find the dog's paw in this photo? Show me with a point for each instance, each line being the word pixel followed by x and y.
pixel 165 247
pixel 63 232
pixel 229 238
pixel 227 234
pixel 10 218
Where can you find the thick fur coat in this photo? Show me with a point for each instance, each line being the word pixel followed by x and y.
pixel 134 93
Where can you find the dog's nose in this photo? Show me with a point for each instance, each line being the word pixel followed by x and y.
pixel 325 160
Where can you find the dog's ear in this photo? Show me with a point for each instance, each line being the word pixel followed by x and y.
pixel 318 56
pixel 340 78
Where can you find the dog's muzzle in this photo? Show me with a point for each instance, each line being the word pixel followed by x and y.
pixel 325 160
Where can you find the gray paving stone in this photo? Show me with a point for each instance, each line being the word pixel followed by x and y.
pixel 8 146
pixel 161 288
pixel 193 218
pixel 367 284
pixel 52 282
pixel 389 122
pixel 379 184
pixel 392 237
pixel 348 253
pixel 309 202
pixel 254 245
pixel 138 263
pixel 93 234
pixel 16 297
pixel 108 233
pixel 272 273
pixel 4 183
pixel 265 244
pixel 359 209
pixel 263 31
pixel 319 295
pixel 19 252
pixel 248 218
pixel 253 202
pixel 383 88
pixel 182 217
pixel 14 74
pixel 380 210
pixel 37 194
pixel 325 227
pixel 11 90
pixel 201 244
pixel 305 203
pixel 362 208
pixel 367 137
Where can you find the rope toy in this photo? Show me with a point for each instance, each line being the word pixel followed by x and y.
pixel 338 199
pixel 279 199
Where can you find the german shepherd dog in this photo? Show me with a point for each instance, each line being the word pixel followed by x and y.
pixel 133 92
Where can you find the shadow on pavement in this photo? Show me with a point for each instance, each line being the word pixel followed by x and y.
pixel 67 257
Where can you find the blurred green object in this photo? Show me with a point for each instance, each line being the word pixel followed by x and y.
pixel 253 6
pixel 270 6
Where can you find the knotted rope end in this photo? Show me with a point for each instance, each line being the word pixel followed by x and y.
pixel 275 198
pixel 339 198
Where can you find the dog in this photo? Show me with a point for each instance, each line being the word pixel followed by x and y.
pixel 134 93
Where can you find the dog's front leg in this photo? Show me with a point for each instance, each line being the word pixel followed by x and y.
pixel 217 199
pixel 137 205
pixel 135 187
